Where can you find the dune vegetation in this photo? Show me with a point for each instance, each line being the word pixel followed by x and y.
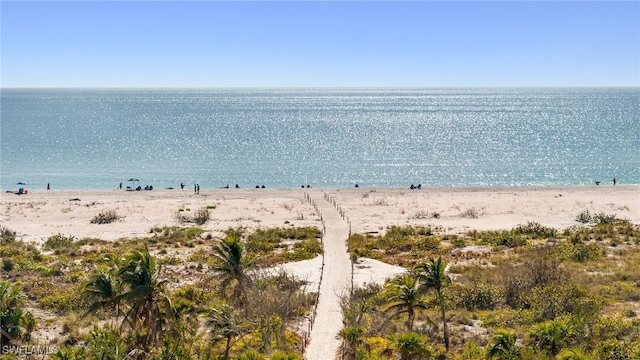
pixel 177 294
pixel 180 293
pixel 527 293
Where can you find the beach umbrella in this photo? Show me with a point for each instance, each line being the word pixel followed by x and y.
pixel 21 183
pixel 133 180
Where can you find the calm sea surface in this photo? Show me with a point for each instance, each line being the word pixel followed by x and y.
pixel 95 139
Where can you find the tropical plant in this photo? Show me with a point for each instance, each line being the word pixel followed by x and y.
pixel 105 344
pixel 281 355
pixel 60 244
pixel 551 336
pixel 351 339
pixel 250 355
pixel 613 349
pixel 69 353
pixel 411 346
pixel 405 297
pixel 226 326
pixel 102 288
pixel 433 276
pixel 145 295
pixel 573 354
pixel 472 351
pixel 13 319
pixel 231 264
pixel 503 346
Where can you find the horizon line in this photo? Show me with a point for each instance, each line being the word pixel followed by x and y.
pixel 315 87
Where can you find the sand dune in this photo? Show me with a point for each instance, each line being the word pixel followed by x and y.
pixel 38 215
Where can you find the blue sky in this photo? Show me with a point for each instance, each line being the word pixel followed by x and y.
pixel 327 43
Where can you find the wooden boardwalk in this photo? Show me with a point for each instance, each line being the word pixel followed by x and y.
pixel 336 282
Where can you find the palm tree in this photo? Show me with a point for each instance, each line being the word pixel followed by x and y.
pixel 231 265
pixel 12 317
pixel 433 276
pixel 411 344
pixel 226 325
pixel 551 336
pixel 103 288
pixel 572 354
pixel 503 346
pixel 405 297
pixel 144 293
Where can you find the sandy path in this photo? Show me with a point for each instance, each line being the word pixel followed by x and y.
pixel 336 281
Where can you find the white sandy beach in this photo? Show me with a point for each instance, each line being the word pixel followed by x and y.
pixel 40 214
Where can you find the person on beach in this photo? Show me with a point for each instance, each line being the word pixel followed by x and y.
pixel 182 186
pixel 614 181
pixel 120 186
pixel 49 184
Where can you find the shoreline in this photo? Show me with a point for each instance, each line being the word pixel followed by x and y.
pixel 41 213
pixel 43 187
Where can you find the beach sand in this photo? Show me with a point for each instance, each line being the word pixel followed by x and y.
pixel 40 214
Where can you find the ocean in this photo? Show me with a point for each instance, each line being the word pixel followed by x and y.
pixel 283 138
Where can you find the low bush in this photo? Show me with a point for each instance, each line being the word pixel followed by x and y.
pixel 579 252
pixel 60 244
pixel 304 250
pixel 105 217
pixel 585 217
pixel 478 296
pixel 536 231
pixel 6 235
pixel 200 216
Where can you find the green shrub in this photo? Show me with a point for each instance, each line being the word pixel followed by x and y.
pixel 7 265
pixel 551 336
pixel 579 251
pixel 612 349
pixel 509 239
pixel 6 235
pixel 304 250
pixel 60 244
pixel 105 344
pixel 472 351
pixel 613 326
pixel 14 320
pixel 69 353
pixel 265 242
pixel 479 296
pixel 281 355
pixel 105 217
pixel 63 300
pixel 603 218
pixel 536 231
pixel 395 231
pixel 584 217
